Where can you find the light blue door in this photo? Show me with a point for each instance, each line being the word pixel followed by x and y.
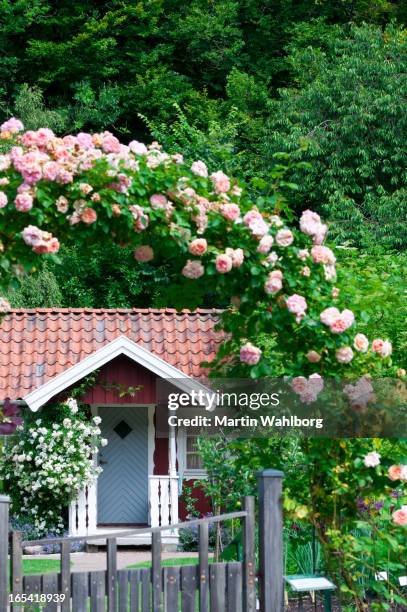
pixel 123 484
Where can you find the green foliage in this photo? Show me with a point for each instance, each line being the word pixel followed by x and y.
pixel 39 291
pixel 348 109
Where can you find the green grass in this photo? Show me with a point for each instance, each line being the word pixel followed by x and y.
pixel 40 566
pixel 169 562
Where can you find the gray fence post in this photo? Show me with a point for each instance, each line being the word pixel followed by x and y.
pixel 4 511
pixel 271 541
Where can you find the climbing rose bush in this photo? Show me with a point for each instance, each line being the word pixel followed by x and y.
pixel 87 188
pixel 53 459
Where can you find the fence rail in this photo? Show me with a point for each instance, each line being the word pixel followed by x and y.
pixel 218 587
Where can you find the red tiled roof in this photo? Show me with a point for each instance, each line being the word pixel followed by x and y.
pixel 36 345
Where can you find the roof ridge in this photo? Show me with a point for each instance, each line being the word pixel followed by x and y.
pixel 113 310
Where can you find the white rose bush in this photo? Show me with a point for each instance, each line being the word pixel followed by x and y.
pixel 52 460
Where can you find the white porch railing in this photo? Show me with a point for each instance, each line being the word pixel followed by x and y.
pixel 82 513
pixel 163 500
pixel 163 506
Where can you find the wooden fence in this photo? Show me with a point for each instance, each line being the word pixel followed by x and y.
pixel 215 587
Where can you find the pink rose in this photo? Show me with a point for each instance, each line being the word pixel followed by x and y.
pixel 3 199
pixel 85 140
pixel 274 282
pixel 258 228
pixel 265 244
pixel 250 354
pixel 230 211
pixel 89 216
pixel 303 254
pixel 322 254
pixel 223 263
pixel 305 271
pixel 328 316
pixel 310 224
pixel 199 168
pixel 138 148
pixel 50 171
pixel 313 357
pixel 158 200
pixel 193 269
pixel 143 253
pixel 272 258
pixel 361 343
pixel 344 354
pixel 85 188
pixel 236 255
pixel 220 181
pixel 198 247
pixel 12 125
pixel 110 144
pixel 397 472
pixel 251 216
pixel 372 459
pixel 382 347
pixel 284 237
pixel 297 305
pixel 299 384
pixel 400 516
pixel 62 204
pixel 32 235
pixel 24 202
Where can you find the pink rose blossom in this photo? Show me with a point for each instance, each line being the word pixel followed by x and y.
pixel 12 125
pixel 382 347
pixel 307 389
pixel 50 171
pixel 144 253
pixel 24 202
pixel 328 316
pixel 297 305
pixel 310 224
pixel 329 272
pixel 199 168
pixel 198 247
pixel 236 255
pixel 284 237
pixel 230 211
pixel 322 254
pixel 138 148
pixel 158 200
pixel 397 472
pixel 274 282
pixel 305 271
pixel 372 459
pixel 361 343
pixel 110 143
pixel 344 354
pixel 276 221
pixel 258 228
pixel 3 199
pixel 265 244
pixel 62 205
pixel 220 181
pixel 272 258
pixel 85 140
pixel 313 357
pixel 89 216
pixel 85 188
pixel 250 354
pixel 303 254
pixel 251 216
pixel 193 269
pixel 223 263
pixel 336 320
pixel 400 516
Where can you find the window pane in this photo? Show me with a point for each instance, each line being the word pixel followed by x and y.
pixel 194 461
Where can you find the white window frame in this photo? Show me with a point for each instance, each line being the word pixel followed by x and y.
pixel 184 472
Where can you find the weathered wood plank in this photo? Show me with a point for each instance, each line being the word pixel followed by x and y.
pixel 49 586
pixel 66 575
pixel 134 578
pixel 145 590
pixel 234 587
pixel 16 567
pixel 156 574
pixel 249 568
pixel 111 562
pixel 32 584
pixel 80 591
pixel 4 516
pixel 203 568
pixel 189 584
pixel 172 584
pixel 97 591
pixel 271 541
pixel 217 580
pixel 123 589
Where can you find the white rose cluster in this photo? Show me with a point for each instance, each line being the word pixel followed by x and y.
pixel 49 465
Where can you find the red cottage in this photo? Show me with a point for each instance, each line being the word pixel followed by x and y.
pixel 45 352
